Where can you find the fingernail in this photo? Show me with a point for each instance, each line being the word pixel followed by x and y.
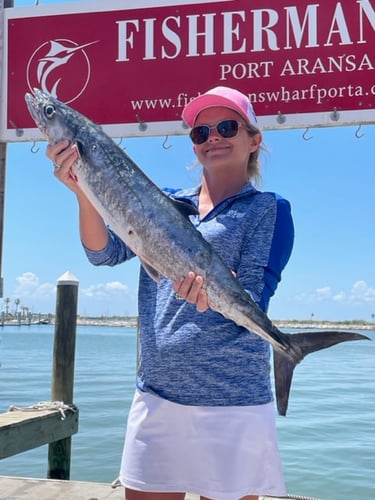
pixel 75 146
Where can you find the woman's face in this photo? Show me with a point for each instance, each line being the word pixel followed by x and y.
pixel 218 152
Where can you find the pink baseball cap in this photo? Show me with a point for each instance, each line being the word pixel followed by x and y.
pixel 220 96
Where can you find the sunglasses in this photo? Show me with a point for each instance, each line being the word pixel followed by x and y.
pixel 225 128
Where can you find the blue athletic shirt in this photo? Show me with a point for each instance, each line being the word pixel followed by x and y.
pixel 203 359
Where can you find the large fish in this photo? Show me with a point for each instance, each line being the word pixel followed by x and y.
pixel 158 230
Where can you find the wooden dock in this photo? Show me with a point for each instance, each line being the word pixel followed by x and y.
pixel 24 430
pixel 18 488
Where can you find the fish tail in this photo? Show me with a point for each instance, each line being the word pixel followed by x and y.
pixel 301 344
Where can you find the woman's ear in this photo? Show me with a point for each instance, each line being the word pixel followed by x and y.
pixel 256 140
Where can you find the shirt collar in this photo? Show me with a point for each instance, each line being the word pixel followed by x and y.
pixel 191 193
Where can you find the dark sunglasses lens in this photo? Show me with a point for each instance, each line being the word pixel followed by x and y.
pixel 200 134
pixel 227 128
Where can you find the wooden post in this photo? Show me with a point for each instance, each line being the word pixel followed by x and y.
pixel 59 452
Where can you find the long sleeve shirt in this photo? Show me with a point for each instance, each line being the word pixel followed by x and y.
pixel 204 359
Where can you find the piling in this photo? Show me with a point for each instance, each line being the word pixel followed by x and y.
pixel 59 452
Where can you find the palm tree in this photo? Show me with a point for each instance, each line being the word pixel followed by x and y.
pixel 7 300
pixel 17 302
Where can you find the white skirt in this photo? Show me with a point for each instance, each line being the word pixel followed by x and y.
pixel 218 452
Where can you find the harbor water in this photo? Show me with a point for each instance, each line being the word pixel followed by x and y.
pixel 327 439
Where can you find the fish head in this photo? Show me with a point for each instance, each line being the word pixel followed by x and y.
pixel 52 117
pixel 100 158
pixel 57 121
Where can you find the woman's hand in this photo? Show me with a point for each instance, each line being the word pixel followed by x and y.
pixel 190 289
pixel 64 155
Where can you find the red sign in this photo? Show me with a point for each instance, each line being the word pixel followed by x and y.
pixel 302 63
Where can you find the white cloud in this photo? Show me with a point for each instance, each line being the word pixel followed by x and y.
pixel 340 297
pixel 359 293
pixel 362 292
pixel 42 296
pixel 318 295
pixel 28 285
pixel 104 290
pixel 323 293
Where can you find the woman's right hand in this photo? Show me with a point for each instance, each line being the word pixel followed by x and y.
pixel 64 155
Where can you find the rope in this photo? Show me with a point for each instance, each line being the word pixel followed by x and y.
pixel 46 405
pixel 296 497
pixel 290 497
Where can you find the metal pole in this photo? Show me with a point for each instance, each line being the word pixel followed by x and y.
pixel 3 153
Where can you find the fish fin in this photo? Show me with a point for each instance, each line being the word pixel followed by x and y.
pixel 302 344
pixel 185 208
pixel 152 272
pixel 283 368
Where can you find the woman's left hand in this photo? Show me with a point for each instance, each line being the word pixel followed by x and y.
pixel 190 289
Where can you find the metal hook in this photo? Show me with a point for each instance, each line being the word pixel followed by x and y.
pixel 19 131
pixel 304 135
pixel 142 125
pixel 165 143
pixel 357 134
pixel 120 141
pixel 335 115
pixel 34 149
pixel 281 118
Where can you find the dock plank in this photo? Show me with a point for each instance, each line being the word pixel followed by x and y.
pixel 24 430
pixel 18 488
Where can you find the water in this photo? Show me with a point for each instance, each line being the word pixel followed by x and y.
pixel 327 441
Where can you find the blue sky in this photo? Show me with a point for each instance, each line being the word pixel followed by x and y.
pixel 329 180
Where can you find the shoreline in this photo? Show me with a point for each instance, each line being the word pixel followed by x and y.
pixel 124 322
pixel 132 322
pixel 324 325
pixel 293 324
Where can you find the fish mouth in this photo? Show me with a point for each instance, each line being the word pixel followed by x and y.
pixel 35 103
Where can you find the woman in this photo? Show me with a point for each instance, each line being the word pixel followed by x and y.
pixel 202 419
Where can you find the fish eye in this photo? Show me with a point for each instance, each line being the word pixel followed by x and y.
pixel 49 110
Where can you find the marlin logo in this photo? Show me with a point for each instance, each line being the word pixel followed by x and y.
pixel 54 62
pixel 58 55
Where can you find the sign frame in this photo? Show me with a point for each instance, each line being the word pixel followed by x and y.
pixel 236 13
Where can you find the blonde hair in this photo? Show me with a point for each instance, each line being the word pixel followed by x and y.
pixel 254 165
